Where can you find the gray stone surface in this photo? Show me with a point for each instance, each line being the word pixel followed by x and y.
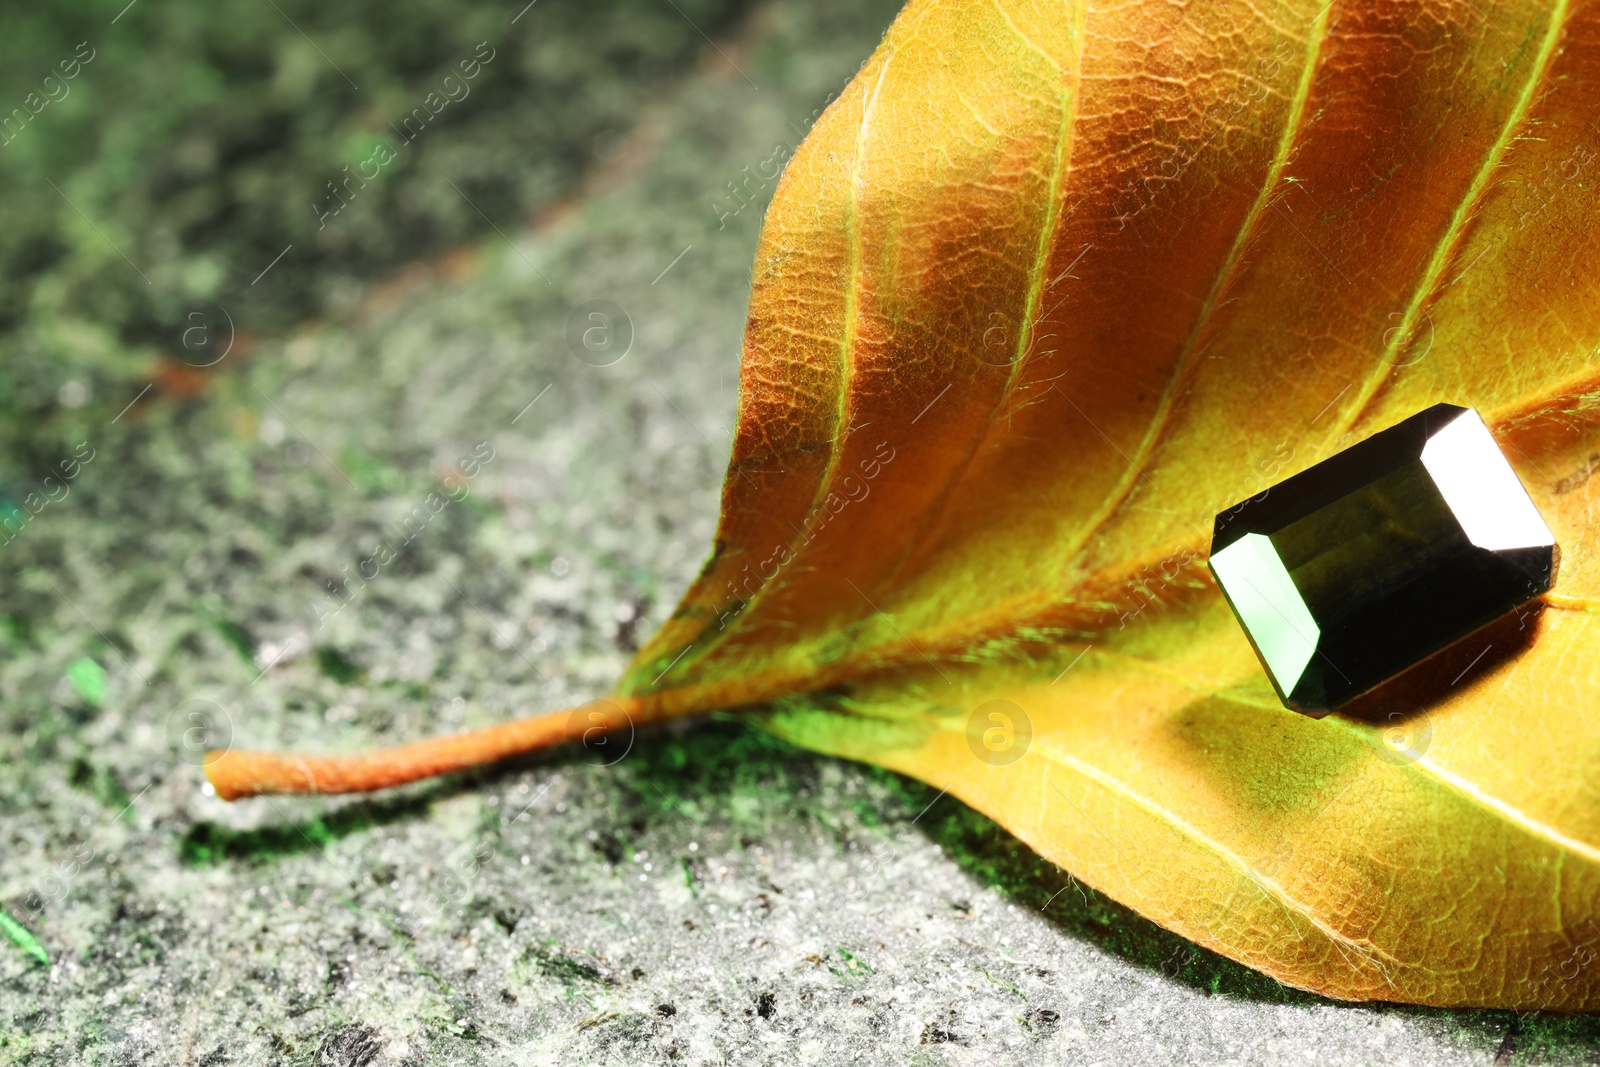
pixel 709 897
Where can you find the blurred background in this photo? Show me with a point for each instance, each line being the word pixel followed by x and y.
pixel 366 374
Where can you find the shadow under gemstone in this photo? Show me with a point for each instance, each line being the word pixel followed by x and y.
pixel 1472 658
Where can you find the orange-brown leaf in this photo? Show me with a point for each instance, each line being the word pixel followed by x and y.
pixel 1049 286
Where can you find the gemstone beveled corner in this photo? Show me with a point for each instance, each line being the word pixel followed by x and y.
pixel 1369 562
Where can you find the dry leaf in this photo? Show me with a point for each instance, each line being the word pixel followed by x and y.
pixel 1048 287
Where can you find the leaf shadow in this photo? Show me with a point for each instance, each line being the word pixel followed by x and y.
pixel 1002 862
pixel 210 844
pixel 729 754
pixel 708 766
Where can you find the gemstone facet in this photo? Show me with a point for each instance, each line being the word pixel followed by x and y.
pixel 1366 564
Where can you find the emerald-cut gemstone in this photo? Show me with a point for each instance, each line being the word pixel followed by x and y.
pixel 1374 559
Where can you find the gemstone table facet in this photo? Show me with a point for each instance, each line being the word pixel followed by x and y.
pixel 1366 564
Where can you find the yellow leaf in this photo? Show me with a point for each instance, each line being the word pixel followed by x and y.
pixel 1049 286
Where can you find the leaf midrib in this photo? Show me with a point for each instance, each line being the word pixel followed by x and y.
pixel 1033 608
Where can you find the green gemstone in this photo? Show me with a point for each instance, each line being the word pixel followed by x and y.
pixel 1364 565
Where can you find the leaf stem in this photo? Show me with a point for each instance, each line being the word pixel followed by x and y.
pixel 236 774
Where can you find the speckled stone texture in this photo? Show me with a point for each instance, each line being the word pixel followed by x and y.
pixel 708 896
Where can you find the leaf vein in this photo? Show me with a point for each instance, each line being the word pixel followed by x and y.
pixel 1290 903
pixel 1160 420
pixel 851 318
pixel 1065 140
pixel 1445 250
